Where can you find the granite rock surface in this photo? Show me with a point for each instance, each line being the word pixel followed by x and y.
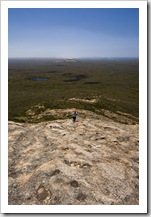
pixel 94 161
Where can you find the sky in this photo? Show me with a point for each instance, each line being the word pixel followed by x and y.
pixel 73 32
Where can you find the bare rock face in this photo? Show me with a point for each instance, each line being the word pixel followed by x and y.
pixel 92 161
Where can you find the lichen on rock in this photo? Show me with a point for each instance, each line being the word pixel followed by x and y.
pixel 92 161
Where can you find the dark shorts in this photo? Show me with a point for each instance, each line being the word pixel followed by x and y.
pixel 74 118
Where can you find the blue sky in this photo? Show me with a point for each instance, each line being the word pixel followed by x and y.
pixel 73 32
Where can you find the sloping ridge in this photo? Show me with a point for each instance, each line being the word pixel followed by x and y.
pixel 93 161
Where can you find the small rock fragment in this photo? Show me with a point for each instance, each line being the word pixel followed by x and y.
pixel 74 184
pixel 42 194
pixel 81 197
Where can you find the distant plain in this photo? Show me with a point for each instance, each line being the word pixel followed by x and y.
pixel 39 84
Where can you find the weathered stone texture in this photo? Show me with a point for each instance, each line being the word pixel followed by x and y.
pixel 92 161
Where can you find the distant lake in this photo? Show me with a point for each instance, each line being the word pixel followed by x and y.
pixel 38 79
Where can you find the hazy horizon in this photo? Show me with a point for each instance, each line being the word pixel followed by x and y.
pixel 73 33
pixel 76 58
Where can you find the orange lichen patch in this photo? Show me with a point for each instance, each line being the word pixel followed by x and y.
pixel 10 149
pixel 46 166
pixel 22 164
pixel 22 179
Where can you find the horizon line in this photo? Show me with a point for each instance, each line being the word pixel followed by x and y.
pixel 73 58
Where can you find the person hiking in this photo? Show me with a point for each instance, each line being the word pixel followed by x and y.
pixel 74 115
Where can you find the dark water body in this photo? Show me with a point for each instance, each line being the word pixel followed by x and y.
pixel 74 78
pixel 38 79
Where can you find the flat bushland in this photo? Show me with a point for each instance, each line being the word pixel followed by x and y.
pixel 113 84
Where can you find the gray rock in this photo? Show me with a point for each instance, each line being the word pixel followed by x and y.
pixel 92 161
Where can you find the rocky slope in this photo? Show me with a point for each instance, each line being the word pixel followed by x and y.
pixel 92 161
